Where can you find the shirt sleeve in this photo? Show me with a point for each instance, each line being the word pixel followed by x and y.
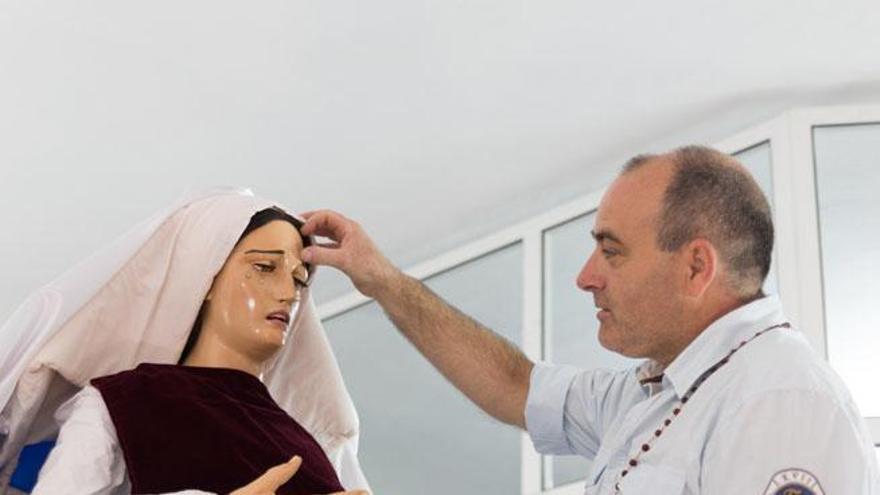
pixel 784 438
pixel 86 457
pixel 568 409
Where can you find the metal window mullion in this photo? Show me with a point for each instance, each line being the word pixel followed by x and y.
pixel 532 345
pixel 804 216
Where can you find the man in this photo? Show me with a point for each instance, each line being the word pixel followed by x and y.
pixel 731 400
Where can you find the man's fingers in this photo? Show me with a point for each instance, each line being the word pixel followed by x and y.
pixel 328 245
pixel 325 223
pixel 324 255
pixel 351 251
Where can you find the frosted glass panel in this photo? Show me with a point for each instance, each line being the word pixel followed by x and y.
pixel 847 181
pixel 419 434
pixel 758 160
pixel 570 319
pixel 330 284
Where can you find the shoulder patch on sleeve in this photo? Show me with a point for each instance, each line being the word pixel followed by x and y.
pixel 794 482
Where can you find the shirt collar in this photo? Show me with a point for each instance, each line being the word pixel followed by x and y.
pixel 717 340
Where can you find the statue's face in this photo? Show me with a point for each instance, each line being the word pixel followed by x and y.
pixel 255 296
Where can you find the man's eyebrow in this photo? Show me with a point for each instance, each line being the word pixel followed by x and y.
pixel 264 251
pixel 605 234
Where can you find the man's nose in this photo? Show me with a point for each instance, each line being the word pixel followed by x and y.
pixel 589 279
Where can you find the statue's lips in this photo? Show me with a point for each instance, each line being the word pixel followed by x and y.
pixel 280 319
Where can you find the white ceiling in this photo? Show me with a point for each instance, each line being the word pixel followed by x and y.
pixel 431 122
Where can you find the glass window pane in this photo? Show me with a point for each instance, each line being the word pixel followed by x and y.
pixel 419 434
pixel 847 181
pixel 758 161
pixel 570 319
pixel 330 284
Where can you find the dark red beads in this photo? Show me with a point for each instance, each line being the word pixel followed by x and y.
pixel 645 447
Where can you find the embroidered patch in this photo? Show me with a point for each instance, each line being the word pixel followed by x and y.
pixel 794 482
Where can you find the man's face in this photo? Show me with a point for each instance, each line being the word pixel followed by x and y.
pixel 637 287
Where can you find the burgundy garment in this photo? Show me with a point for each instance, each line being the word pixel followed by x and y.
pixel 213 429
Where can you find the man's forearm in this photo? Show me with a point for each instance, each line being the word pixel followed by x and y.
pixel 487 368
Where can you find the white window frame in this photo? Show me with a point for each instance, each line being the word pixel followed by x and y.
pixel 797 251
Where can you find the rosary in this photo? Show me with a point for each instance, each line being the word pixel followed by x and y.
pixel 634 460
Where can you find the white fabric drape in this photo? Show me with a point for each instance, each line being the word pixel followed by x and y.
pixel 135 301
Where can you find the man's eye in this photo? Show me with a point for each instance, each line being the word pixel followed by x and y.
pixel 264 267
pixel 609 253
pixel 299 283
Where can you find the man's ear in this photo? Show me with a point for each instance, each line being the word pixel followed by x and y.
pixel 701 258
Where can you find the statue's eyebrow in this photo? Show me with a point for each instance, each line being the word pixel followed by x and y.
pixel 264 251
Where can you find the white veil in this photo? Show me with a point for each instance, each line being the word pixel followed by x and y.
pixel 135 301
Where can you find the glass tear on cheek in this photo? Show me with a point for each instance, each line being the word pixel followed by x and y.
pixel 248 275
pixel 251 304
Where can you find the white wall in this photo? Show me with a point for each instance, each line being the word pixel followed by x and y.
pixel 432 122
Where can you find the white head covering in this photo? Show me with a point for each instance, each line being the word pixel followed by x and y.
pixel 135 301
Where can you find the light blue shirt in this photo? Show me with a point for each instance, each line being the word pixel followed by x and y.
pixel 774 416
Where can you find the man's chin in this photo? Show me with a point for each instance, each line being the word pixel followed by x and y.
pixel 609 340
pixel 606 338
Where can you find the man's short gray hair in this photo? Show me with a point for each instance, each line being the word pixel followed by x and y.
pixel 713 197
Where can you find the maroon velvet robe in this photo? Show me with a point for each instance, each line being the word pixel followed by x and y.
pixel 213 429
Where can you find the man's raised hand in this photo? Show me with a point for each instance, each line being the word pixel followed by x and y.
pixel 351 251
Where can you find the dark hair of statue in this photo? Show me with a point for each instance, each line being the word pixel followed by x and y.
pixel 258 220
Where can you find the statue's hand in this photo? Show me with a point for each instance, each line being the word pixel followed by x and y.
pixel 274 477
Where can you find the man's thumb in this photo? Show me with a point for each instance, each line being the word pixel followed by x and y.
pixel 318 255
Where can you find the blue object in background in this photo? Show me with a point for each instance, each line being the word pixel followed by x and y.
pixel 29 463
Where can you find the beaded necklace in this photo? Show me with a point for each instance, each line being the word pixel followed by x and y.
pixel 634 460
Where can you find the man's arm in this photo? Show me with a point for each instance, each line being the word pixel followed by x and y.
pixel 487 368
